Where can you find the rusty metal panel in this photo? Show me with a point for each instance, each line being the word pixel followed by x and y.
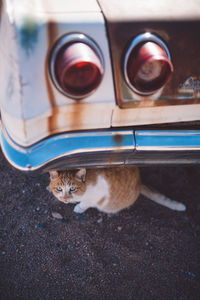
pixel 28 96
pixel 177 23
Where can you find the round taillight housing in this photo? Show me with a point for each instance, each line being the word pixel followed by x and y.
pixel 147 64
pixel 76 66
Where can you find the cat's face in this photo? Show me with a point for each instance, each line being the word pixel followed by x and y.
pixel 66 185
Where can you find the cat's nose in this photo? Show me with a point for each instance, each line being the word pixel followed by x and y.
pixel 64 199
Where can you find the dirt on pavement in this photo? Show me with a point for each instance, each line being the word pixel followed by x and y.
pixel 145 252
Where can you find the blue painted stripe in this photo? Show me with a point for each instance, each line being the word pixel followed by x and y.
pixel 64 145
pixel 170 139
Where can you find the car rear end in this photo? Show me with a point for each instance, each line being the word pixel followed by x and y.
pixel 94 84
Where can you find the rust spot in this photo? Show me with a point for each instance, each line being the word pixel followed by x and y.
pixel 110 162
pixel 118 138
pixel 0 7
pixel 76 113
pixel 52 34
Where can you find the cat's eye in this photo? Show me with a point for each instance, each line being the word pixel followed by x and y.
pixel 58 189
pixel 73 189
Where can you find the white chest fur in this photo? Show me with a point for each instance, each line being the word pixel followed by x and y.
pixel 93 194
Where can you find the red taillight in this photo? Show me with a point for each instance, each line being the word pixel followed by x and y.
pixel 77 69
pixel 148 67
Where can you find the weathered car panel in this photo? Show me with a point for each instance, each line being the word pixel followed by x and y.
pixel 43 128
pixel 178 26
pixel 31 106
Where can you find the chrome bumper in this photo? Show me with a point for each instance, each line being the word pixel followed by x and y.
pixel 105 148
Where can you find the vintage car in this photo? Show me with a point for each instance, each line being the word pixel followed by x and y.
pixel 89 83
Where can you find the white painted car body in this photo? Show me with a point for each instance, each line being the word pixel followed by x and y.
pixel 33 110
pixel 31 106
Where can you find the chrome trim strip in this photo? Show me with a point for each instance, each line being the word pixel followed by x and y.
pixel 66 146
pixel 168 148
pixel 105 148
pixel 167 133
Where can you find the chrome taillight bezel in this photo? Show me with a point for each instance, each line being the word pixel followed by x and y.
pixel 140 39
pixel 69 39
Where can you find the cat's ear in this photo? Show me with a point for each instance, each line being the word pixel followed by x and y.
pixel 80 174
pixel 53 175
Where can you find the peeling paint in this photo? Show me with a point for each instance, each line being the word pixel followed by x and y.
pixel 52 33
pixel 29 35
pixel 10 87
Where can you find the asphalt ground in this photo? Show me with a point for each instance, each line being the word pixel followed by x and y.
pixel 144 252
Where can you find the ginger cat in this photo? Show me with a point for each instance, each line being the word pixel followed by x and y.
pixel 109 189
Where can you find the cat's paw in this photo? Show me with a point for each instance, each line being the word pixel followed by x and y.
pixel 78 209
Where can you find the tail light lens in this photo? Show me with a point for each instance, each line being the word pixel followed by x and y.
pixel 76 66
pixel 147 64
